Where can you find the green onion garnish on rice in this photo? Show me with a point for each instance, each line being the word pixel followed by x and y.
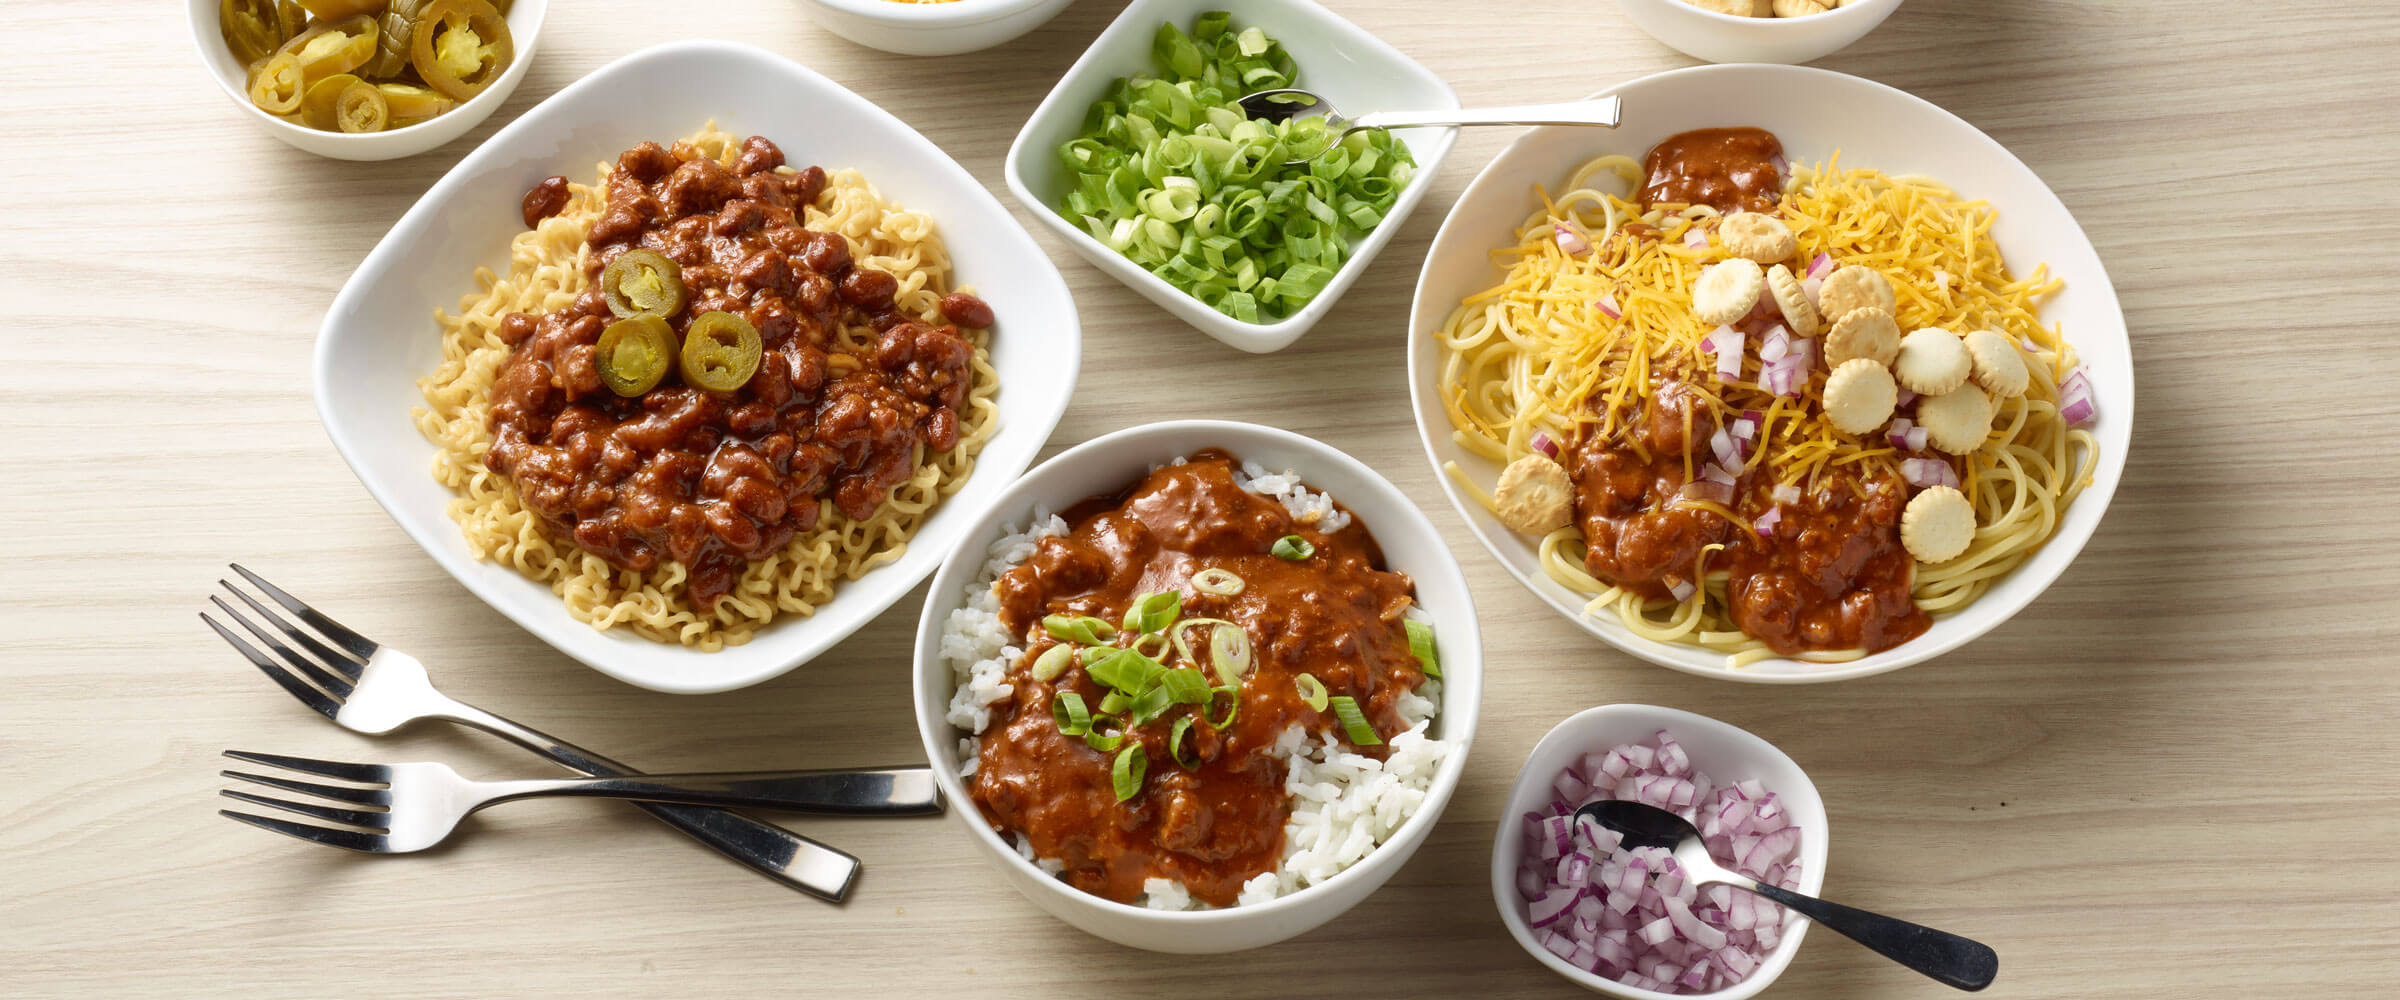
pixel 1292 548
pixel 1154 612
pixel 1420 645
pixel 1312 691
pixel 1053 662
pixel 1222 583
pixel 1127 773
pixel 1107 733
pixel 1354 721
pixel 1088 631
pixel 1073 718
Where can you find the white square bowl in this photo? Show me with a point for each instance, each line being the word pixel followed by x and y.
pixel 1337 59
pixel 379 337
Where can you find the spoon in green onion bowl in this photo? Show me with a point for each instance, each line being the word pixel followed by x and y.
pixel 1948 958
pixel 1293 105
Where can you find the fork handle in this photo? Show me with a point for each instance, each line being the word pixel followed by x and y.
pixel 770 850
pixel 891 791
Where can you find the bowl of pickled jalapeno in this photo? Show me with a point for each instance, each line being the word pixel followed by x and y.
pixel 367 79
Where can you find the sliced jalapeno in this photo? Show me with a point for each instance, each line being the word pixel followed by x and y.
pixel 316 103
pixel 643 283
pixel 720 352
pixel 460 46
pixel 361 108
pixel 250 28
pixel 276 84
pixel 335 10
pixel 633 354
pixel 410 104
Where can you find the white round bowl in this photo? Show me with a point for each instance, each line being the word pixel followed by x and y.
pixel 1726 753
pixel 932 29
pixel 1109 464
pixel 1815 112
pixel 1724 38
pixel 524 28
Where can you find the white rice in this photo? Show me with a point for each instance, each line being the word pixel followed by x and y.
pixel 1343 804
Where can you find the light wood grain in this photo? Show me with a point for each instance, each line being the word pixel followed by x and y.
pixel 2172 776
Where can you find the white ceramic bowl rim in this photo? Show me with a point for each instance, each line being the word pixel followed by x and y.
pixel 1828 17
pixel 2033 576
pixel 521 39
pixel 938 604
pixel 944 13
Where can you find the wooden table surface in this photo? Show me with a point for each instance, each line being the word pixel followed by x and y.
pixel 2171 776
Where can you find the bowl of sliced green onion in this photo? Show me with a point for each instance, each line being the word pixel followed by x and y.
pixel 1142 161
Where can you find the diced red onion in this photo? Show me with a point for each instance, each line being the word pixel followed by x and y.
pixel 1730 343
pixel 1923 472
pixel 1708 490
pixel 1897 433
pixel 1682 589
pixel 1607 304
pixel 1819 266
pixel 1571 787
pixel 1636 918
pixel 2076 404
pixel 1916 440
pixel 1569 240
pixel 1773 346
pixel 1787 493
pixel 1905 396
pixel 1696 237
pixel 1716 474
pixel 1723 444
pixel 1782 168
pixel 1543 443
pixel 1812 287
pixel 1765 524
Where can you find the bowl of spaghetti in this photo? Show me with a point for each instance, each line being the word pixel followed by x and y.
pixel 696 368
pixel 1795 377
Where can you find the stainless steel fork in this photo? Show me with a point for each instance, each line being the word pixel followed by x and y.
pixel 410 807
pixel 373 689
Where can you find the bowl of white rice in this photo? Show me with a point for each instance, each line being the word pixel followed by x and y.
pixel 1353 818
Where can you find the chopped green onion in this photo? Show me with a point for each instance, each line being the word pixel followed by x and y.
pixel 1107 733
pixel 1125 670
pixel 1175 737
pixel 1420 645
pixel 1293 548
pixel 1233 705
pixel 1354 722
pixel 1088 631
pixel 1127 773
pixel 1185 686
pixel 1312 691
pixel 1229 652
pixel 1181 633
pixel 1154 612
pixel 1171 172
pixel 1216 581
pixel 1053 662
pixel 1073 718
pixel 1152 644
pixel 1115 703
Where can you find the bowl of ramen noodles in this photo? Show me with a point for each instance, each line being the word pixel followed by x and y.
pixel 1797 378
pixel 932 27
pixel 692 398
pixel 1199 686
pixel 367 79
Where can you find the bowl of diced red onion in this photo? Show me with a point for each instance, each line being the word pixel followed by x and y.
pixel 1627 923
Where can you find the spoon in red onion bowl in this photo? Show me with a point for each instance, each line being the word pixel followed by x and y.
pixel 1290 104
pixel 1948 958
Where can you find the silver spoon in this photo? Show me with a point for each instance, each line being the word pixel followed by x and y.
pixel 1948 958
pixel 1287 104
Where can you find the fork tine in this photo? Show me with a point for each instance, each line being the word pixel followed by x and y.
pixel 309 696
pixel 354 796
pixel 336 631
pixel 329 768
pixel 366 843
pixel 336 686
pixel 353 817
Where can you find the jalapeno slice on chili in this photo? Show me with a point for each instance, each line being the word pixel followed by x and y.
pixel 720 352
pixel 459 46
pixel 275 84
pixel 643 283
pixel 633 354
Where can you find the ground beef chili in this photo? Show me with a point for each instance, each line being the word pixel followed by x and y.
pixel 1336 614
pixel 1729 169
pixel 715 481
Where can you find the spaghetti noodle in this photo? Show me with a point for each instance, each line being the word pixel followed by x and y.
pixel 547 272
pixel 1573 350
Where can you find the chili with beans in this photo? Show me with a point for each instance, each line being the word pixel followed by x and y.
pixel 716 480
